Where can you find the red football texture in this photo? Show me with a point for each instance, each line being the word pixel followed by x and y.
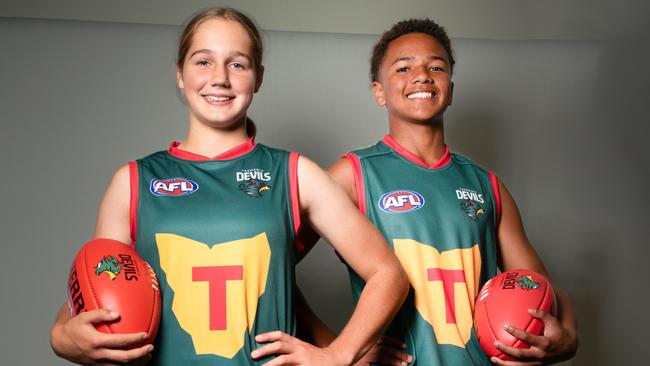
pixel 108 274
pixel 505 299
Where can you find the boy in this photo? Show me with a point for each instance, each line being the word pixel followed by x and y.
pixel 450 222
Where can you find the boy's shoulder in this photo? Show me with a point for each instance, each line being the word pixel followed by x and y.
pixel 379 148
pixel 463 160
pixel 468 163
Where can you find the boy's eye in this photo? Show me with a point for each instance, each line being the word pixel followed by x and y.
pixel 402 69
pixel 203 63
pixel 437 68
pixel 238 66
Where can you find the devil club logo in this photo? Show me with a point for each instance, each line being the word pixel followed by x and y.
pixel 253 182
pixel 471 203
pixel 400 201
pixel 113 266
pixel 527 283
pixel 109 265
pixel 172 187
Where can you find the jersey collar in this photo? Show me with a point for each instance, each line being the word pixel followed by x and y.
pixel 403 152
pixel 233 153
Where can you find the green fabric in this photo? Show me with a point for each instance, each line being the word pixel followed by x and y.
pixel 221 210
pixel 445 224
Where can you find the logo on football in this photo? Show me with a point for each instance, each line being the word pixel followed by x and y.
pixel 173 187
pixel 109 265
pixel 401 201
pixel 108 274
pixel 505 299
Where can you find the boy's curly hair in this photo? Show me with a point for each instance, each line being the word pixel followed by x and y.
pixel 425 25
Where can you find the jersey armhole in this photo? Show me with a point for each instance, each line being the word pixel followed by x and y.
pixel 358 181
pixel 294 197
pixel 133 205
pixel 494 181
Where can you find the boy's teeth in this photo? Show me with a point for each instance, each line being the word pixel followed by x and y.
pixel 419 95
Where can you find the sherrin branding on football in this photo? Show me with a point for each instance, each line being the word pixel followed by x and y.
pixel 401 201
pixel 173 187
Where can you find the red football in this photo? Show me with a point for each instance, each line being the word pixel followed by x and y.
pixel 108 274
pixel 505 299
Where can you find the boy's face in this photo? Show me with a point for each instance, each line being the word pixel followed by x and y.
pixel 414 79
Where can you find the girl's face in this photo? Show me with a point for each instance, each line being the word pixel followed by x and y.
pixel 218 77
pixel 415 79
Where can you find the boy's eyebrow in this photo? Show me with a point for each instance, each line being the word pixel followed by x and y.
pixel 409 58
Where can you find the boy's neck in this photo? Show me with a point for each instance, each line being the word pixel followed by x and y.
pixel 426 141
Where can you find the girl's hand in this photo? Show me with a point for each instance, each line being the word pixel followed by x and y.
pixel 292 351
pixel 78 341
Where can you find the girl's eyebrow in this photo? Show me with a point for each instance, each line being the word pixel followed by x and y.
pixel 208 51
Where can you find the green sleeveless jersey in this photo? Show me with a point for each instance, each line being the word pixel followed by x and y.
pixel 440 221
pixel 220 235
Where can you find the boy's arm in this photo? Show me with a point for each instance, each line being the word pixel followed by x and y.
pixel 559 341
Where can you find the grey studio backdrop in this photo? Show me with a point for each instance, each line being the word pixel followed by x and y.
pixel 562 122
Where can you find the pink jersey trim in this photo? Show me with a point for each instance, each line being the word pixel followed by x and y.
pixel 443 162
pixel 233 153
pixel 358 181
pixel 133 204
pixel 294 196
pixel 497 196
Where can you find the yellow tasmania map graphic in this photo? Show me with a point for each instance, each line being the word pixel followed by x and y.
pixel 216 290
pixel 445 287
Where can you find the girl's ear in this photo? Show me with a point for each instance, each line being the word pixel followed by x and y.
pixel 259 78
pixel 179 78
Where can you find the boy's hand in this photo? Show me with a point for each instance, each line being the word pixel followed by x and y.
pixel 387 351
pixel 555 345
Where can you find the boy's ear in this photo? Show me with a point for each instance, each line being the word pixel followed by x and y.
pixel 451 93
pixel 378 93
pixel 179 78
pixel 259 78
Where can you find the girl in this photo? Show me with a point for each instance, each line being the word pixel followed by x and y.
pixel 216 215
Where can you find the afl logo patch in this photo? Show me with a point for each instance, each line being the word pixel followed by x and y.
pixel 172 187
pixel 401 201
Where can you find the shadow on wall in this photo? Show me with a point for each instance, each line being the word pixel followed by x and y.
pixel 623 100
pixel 594 336
pixel 474 133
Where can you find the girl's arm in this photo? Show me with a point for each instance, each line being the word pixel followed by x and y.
pixel 75 338
pixel 334 217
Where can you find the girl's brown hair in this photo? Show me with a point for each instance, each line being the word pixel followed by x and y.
pixel 257 48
